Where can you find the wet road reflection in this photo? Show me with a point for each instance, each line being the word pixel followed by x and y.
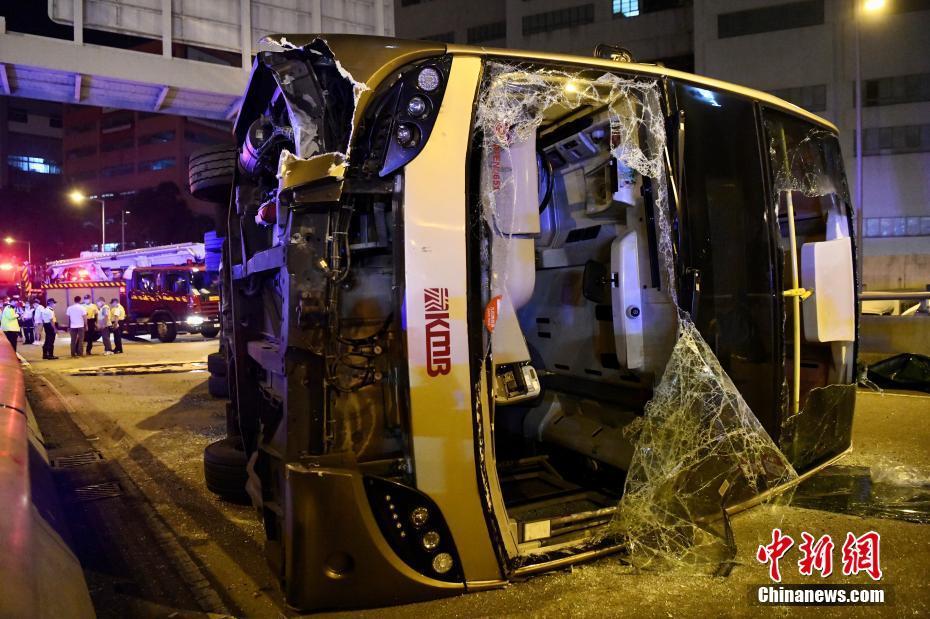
pixel 900 493
pixel 139 368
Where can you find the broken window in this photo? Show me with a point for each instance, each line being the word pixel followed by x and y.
pixel 814 215
pixel 582 320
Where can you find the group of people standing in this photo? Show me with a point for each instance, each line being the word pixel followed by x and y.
pixel 32 321
pixel 88 321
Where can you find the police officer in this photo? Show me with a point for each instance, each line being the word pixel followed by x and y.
pixel 92 334
pixel 117 316
pixel 49 323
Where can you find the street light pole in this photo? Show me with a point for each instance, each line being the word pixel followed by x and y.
pixel 10 240
pixel 122 226
pixel 103 225
pixel 860 217
pixel 79 198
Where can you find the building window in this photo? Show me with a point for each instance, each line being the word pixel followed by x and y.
pixel 162 137
pixel 443 37
pixel 487 32
pixel 895 140
pixel 113 145
pixel 34 164
pixel 17 115
pixel 627 8
pixel 116 121
pixel 80 153
pixel 556 20
pixel 157 164
pixel 117 170
pixel 811 98
pixel 54 122
pixel 894 90
pixel 770 18
pixel 83 128
pixel 203 138
pixel 86 175
pixel 896 226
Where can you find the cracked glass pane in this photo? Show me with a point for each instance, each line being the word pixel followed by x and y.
pixel 813 209
pixel 698 449
pixel 697 446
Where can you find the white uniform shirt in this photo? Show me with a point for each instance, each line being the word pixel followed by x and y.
pixel 77 316
pixel 39 314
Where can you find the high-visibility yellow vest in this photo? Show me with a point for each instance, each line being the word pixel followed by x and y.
pixel 8 319
pixel 92 310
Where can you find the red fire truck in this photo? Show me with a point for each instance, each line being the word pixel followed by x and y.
pixel 166 290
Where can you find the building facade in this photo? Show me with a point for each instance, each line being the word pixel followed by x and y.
pixel 116 152
pixel 654 30
pixel 30 143
pixel 805 51
pixel 802 50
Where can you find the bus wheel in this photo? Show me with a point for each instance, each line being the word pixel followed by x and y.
pixel 209 332
pixel 165 331
pixel 224 469
pixel 216 364
pixel 218 386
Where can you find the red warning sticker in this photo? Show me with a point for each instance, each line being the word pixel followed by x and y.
pixel 491 311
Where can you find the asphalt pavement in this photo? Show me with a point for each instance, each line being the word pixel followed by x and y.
pixel 148 415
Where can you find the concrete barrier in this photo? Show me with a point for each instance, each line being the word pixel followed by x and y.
pixel 39 575
pixel 890 335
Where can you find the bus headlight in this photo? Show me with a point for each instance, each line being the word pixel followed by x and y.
pixel 442 562
pixel 430 540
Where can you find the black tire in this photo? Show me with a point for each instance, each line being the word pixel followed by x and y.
pixel 209 332
pixel 218 386
pixel 224 469
pixel 211 170
pixel 216 364
pixel 164 329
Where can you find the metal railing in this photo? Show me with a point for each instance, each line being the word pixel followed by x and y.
pixel 922 297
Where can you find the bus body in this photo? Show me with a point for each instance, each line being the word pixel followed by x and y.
pixel 457 276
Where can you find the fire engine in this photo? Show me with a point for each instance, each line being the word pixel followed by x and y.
pixel 166 290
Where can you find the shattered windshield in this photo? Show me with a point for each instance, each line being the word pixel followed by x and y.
pixel 574 202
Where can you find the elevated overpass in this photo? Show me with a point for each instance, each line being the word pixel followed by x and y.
pixel 71 71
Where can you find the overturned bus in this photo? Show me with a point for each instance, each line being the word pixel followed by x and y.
pixel 488 313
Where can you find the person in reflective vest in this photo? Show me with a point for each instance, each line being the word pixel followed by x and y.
pixel 117 316
pixel 9 323
pixel 92 333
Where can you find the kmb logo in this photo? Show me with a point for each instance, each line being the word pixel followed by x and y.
pixel 438 334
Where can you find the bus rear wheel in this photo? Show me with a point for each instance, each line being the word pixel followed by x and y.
pixel 224 468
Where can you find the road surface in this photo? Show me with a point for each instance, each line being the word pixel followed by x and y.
pixel 157 543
